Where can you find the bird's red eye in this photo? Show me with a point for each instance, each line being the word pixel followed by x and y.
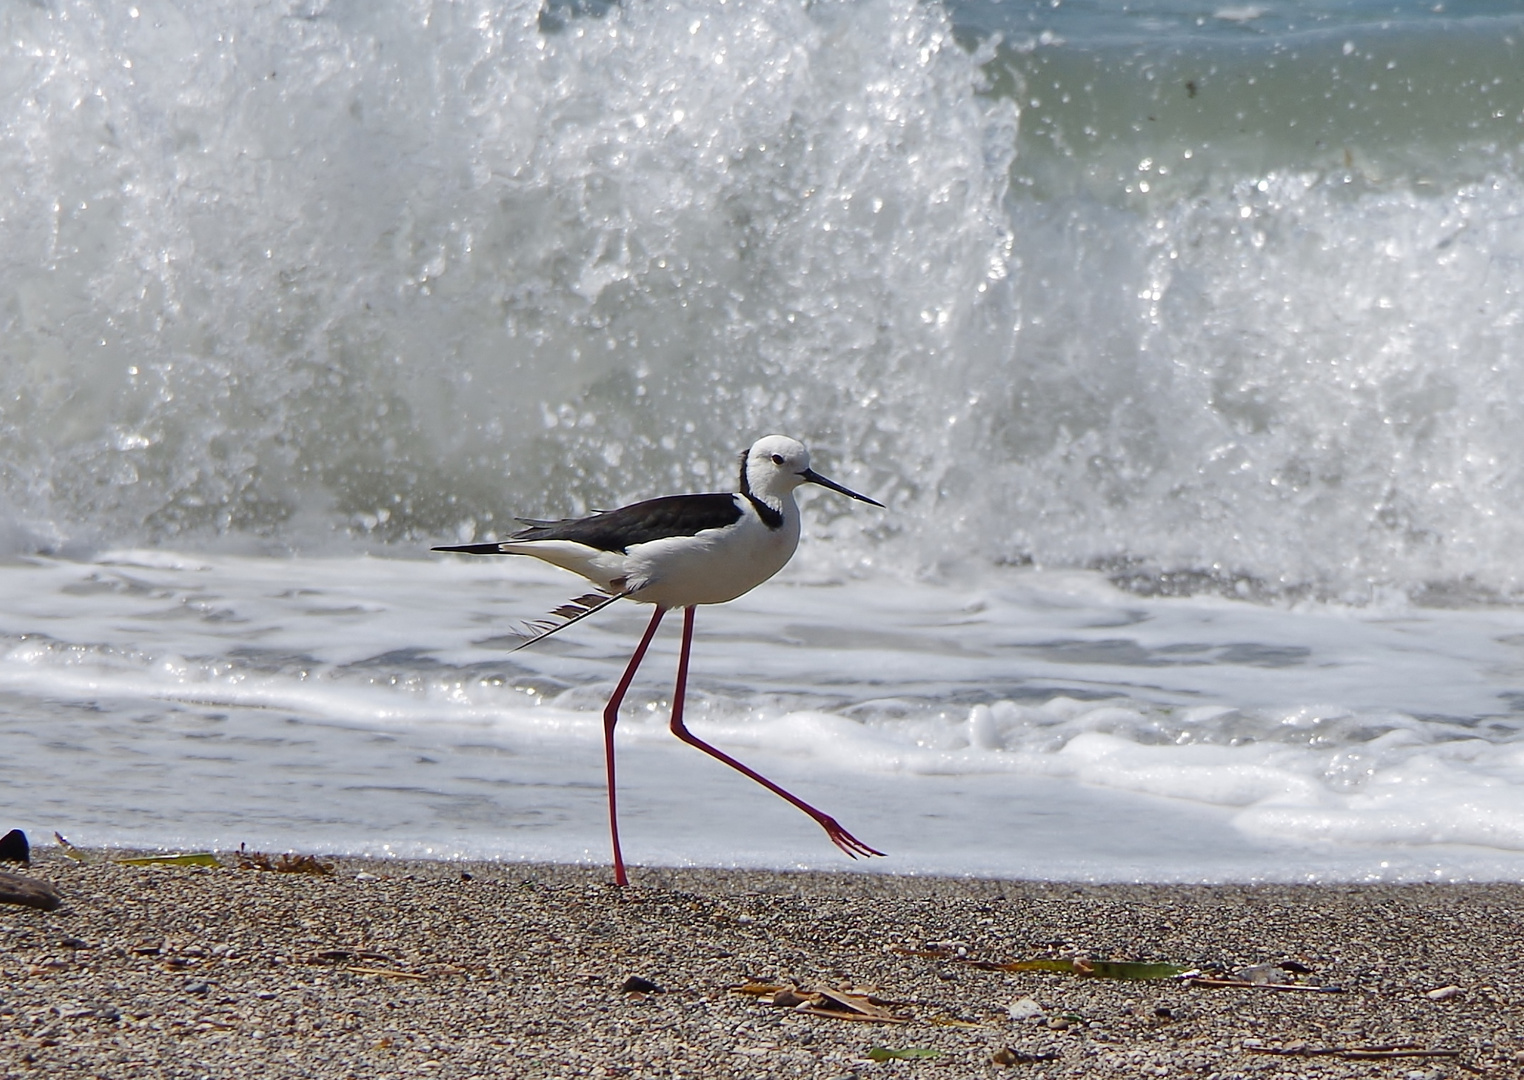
pixel 777 459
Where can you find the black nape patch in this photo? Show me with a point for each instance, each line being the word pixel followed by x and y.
pixel 773 519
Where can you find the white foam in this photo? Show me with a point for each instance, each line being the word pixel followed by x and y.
pixel 1273 740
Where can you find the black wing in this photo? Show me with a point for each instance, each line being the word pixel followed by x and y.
pixel 639 523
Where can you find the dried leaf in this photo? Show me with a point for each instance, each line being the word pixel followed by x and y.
pixel 854 1002
pixel 862 1018
pixel 197 858
pixel 757 989
pixel 909 1053
pixel 819 1001
pixel 69 849
pixel 288 863
pixel 843 1005
pixel 302 864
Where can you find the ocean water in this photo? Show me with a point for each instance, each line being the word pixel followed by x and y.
pixel 1183 341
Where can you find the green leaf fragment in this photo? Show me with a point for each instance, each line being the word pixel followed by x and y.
pixel 1109 969
pixel 198 858
pixel 1064 966
pixel 1101 969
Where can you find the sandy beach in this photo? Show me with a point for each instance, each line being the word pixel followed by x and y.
pixel 391 969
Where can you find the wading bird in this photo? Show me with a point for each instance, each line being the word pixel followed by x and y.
pixel 681 551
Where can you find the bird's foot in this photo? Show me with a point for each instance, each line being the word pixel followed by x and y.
pixel 845 840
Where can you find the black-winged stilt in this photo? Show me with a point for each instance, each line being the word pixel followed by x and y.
pixel 681 551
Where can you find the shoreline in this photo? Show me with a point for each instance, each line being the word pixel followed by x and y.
pixel 405 968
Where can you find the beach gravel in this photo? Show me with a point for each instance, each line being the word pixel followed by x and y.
pixel 415 969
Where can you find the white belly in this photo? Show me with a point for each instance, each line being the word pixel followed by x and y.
pixel 712 567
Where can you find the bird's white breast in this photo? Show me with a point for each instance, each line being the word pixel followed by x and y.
pixel 713 566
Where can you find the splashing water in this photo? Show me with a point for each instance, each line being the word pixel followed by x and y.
pixel 1222 302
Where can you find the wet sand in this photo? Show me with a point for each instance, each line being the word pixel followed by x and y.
pixel 406 969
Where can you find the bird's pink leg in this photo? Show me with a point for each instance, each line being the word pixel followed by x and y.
pixel 839 836
pixel 610 718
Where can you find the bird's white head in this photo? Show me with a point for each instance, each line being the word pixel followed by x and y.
pixel 775 465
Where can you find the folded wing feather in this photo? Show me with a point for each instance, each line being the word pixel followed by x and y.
pixel 573 610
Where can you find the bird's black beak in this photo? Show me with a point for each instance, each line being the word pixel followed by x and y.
pixel 813 477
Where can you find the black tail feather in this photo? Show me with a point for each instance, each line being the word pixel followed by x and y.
pixel 475 549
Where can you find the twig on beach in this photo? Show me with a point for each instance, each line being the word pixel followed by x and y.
pixel 333 956
pixel 1074 965
pixel 1393 1050
pixel 1244 984
pixel 1092 969
pixel 383 971
pixel 1121 969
